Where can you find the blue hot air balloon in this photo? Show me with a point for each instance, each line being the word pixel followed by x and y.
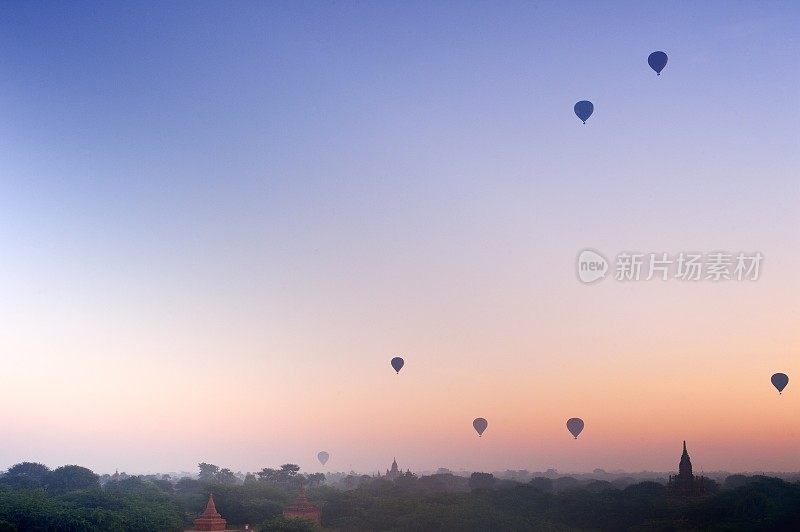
pixel 584 110
pixel 480 425
pixel 779 381
pixel 575 426
pixel 397 364
pixel 323 457
pixel 657 61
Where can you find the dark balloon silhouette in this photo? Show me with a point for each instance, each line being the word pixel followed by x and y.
pixel 584 110
pixel 323 457
pixel 397 364
pixel 779 381
pixel 657 61
pixel 480 425
pixel 575 426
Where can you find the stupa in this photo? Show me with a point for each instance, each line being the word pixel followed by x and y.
pixel 210 519
pixel 302 508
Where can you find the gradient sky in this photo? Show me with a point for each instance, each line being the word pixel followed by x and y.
pixel 219 221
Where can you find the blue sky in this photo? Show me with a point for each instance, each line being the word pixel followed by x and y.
pixel 291 192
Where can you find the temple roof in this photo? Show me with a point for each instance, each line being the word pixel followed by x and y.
pixel 685 466
pixel 211 508
pixel 210 519
pixel 301 503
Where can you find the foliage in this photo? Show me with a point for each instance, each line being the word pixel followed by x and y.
pixel 69 498
pixel 481 481
pixel 26 474
pixel 71 477
pixel 207 471
pixel 284 524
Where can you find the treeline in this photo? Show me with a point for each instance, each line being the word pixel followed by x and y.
pixel 72 498
pixel 32 497
pixel 437 502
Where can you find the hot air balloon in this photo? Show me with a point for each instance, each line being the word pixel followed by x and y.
pixel 779 381
pixel 397 364
pixel 323 457
pixel 575 426
pixel 657 61
pixel 584 110
pixel 480 425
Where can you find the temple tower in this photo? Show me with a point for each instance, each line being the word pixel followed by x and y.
pixel 210 519
pixel 685 485
pixel 302 508
pixel 685 467
pixel 394 472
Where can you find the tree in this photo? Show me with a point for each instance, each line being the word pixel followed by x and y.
pixel 269 475
pixel 407 481
pixel 481 481
pixel 188 485
pixel 315 479
pixel 70 478
pixel 289 470
pixel 285 524
pixel 164 485
pixel 565 483
pixel 32 470
pixel 226 476
pixel 542 483
pixel 207 471
pixel 286 476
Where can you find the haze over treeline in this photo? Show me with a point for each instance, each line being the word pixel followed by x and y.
pixel 34 497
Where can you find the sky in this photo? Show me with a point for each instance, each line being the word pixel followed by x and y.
pixel 220 221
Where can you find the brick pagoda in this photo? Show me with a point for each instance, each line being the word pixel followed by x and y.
pixel 302 508
pixel 210 519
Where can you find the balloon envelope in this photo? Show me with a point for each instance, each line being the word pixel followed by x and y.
pixel 323 457
pixel 779 381
pixel 584 110
pixel 397 364
pixel 575 426
pixel 480 425
pixel 657 61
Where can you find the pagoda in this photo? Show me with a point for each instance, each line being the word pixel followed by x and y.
pixel 210 519
pixel 302 508
pixel 685 485
pixel 394 473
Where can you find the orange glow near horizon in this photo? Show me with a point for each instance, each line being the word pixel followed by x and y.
pixel 215 235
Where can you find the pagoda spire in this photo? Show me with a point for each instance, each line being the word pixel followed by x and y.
pixel 302 508
pixel 685 466
pixel 211 508
pixel 210 519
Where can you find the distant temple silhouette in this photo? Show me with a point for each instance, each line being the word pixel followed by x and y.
pixel 210 519
pixel 394 472
pixel 302 508
pixel 685 485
